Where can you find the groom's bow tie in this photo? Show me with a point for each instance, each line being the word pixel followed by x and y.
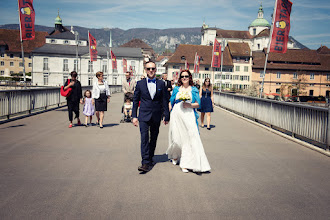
pixel 152 80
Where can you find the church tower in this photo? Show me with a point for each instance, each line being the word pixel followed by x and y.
pixel 259 24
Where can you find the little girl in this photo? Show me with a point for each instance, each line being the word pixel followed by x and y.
pixel 88 107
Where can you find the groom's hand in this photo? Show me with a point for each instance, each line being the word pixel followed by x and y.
pixel 135 122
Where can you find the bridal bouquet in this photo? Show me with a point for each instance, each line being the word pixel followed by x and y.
pixel 184 96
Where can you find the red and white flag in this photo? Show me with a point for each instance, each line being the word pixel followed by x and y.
pixel 124 65
pixel 26 19
pixel 92 47
pixel 114 61
pixel 216 55
pixel 186 65
pixel 196 63
pixel 281 26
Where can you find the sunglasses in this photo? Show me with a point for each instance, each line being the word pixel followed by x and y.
pixel 152 68
pixel 184 76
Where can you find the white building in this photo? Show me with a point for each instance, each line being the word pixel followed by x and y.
pixel 53 62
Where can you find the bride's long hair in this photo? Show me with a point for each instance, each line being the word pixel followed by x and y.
pixel 191 82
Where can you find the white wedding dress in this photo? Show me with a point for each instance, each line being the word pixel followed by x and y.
pixel 184 140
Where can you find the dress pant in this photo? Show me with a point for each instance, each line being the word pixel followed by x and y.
pixel 148 143
pixel 73 107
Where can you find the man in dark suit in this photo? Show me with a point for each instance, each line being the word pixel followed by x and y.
pixel 168 85
pixel 153 98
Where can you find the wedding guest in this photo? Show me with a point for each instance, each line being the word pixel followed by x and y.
pixel 207 102
pixel 101 97
pixel 168 84
pixel 128 86
pixel 88 107
pixel 74 98
pixel 184 141
pixel 128 108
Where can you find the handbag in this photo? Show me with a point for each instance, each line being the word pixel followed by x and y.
pixel 66 92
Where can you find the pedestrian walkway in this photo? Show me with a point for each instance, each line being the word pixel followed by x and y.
pixel 49 171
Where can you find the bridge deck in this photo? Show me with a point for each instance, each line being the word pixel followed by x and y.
pixel 49 171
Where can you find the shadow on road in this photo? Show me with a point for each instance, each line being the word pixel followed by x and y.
pixel 14 126
pixel 109 125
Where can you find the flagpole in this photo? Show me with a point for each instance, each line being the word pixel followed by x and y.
pixel 223 46
pixel 267 53
pixel 22 47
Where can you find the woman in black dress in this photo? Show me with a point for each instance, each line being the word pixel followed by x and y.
pixel 74 98
pixel 207 102
pixel 101 97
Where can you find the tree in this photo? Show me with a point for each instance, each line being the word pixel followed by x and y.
pixel 252 90
pixel 300 83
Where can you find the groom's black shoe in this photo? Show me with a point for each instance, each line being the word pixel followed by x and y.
pixel 144 168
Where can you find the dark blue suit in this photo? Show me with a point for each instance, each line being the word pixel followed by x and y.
pixel 150 115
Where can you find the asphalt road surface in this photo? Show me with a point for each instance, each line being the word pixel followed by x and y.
pixel 49 171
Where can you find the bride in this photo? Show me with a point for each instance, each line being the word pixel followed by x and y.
pixel 184 140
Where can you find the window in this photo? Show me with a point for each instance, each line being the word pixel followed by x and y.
pixel 254 31
pixel 328 77
pixel 176 67
pixel 278 91
pixel 217 69
pixel 21 64
pixel 105 66
pixel 75 65
pixel 247 60
pixel 11 55
pixel 2 63
pixel 11 72
pixel 311 85
pixel 295 76
pixel 65 78
pixel 53 41
pixel 206 76
pixel 183 58
pixel 65 65
pixel 278 75
pixel 2 72
pixel 46 64
pixel 30 64
pixel 237 68
pixel 278 84
pixel 11 63
pixel 90 80
pixel 246 69
pixel 90 66
pixel 312 76
pixel 45 79
pixel 236 77
pixel 20 55
pixel 311 92
pixel 66 42
pixel 207 68
pixel 2 55
pixel 258 46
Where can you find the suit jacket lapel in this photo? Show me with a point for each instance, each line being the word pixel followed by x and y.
pixel 145 84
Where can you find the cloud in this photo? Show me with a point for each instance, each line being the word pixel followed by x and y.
pixel 313 36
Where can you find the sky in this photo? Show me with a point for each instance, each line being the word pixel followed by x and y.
pixel 310 19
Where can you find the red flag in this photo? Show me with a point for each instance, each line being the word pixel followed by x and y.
pixel 281 27
pixel 186 66
pixel 26 19
pixel 196 63
pixel 92 47
pixel 114 61
pixel 124 65
pixel 216 55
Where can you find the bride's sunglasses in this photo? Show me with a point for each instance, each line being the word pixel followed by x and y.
pixel 184 76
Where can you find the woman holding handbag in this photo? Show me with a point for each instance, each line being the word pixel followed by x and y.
pixel 74 98
pixel 101 97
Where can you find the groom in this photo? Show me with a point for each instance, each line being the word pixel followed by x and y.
pixel 152 94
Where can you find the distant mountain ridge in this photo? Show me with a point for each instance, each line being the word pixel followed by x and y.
pixel 158 39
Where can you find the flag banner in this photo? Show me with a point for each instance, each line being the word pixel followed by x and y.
pixel 26 19
pixel 124 65
pixel 281 27
pixel 216 55
pixel 92 47
pixel 114 60
pixel 196 63
pixel 131 68
pixel 186 66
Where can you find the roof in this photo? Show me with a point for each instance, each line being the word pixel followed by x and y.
pixel 239 49
pixel 233 34
pixel 189 51
pixel 11 38
pixel 293 59
pixel 62 35
pixel 82 50
pixel 136 43
pixel 260 22
pixel 323 50
pixel 263 33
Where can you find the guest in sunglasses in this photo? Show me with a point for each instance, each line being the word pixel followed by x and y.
pixel 207 102
pixel 185 144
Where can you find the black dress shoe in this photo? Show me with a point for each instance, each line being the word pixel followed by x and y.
pixel 144 168
pixel 208 128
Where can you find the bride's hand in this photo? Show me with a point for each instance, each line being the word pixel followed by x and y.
pixel 186 105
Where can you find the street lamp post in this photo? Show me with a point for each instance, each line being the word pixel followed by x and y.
pixel 223 46
pixel 76 34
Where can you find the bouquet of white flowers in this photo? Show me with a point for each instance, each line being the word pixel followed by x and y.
pixel 184 96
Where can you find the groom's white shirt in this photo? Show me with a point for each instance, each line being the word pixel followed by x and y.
pixel 151 88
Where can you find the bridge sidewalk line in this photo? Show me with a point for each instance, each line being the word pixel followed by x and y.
pixel 303 143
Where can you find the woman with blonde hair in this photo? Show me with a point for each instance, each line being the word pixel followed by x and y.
pixel 101 97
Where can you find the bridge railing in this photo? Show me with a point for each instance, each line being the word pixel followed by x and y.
pixel 27 101
pixel 305 122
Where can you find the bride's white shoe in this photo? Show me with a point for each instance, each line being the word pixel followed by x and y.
pixel 185 170
pixel 175 162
